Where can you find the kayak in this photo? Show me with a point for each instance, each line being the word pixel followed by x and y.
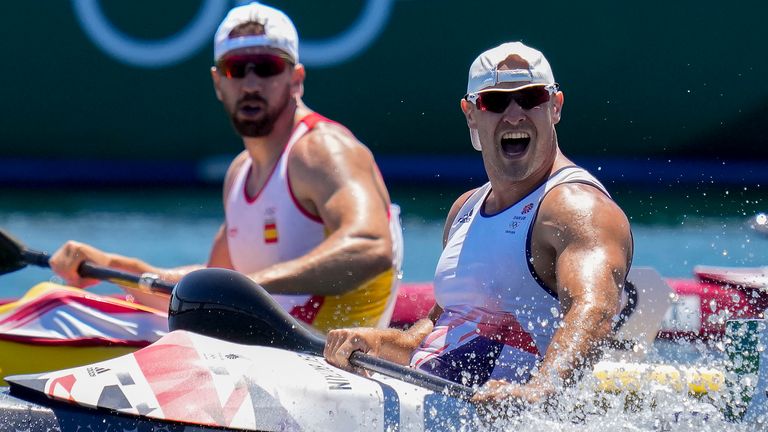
pixel 276 379
pixel 282 383
pixel 194 379
pixel 54 327
pixel 754 278
pixel 29 413
pixel 186 378
pixel 702 306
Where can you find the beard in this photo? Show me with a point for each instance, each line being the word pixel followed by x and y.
pixel 264 125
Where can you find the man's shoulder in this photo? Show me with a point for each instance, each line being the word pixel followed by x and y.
pixel 329 134
pixel 234 168
pixel 327 144
pixel 580 207
pixel 461 200
pixel 236 163
pixel 569 197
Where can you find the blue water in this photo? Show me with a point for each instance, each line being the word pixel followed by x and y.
pixel 673 230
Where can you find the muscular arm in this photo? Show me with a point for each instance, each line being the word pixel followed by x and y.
pixel 581 245
pixel 335 177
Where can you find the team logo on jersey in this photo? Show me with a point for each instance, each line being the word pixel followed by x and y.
pixel 232 232
pixel 270 226
pixel 512 227
pixel 466 217
pixel 528 207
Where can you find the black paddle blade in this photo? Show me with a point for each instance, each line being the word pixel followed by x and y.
pixel 228 305
pixel 11 257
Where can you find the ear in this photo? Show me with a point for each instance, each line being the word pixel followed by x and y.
pixel 469 110
pixel 297 80
pixel 216 82
pixel 557 106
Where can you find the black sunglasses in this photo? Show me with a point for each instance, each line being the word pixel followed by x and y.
pixel 263 65
pixel 527 98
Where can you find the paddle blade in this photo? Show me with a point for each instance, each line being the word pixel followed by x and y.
pixel 11 257
pixel 229 305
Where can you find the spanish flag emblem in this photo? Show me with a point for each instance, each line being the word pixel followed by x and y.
pixel 270 231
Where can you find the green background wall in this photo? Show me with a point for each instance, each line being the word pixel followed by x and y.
pixel 652 78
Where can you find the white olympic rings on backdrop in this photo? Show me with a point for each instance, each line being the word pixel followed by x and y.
pixel 356 39
pixel 199 32
pixel 149 53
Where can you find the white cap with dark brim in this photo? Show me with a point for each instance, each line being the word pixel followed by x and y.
pixel 484 74
pixel 279 31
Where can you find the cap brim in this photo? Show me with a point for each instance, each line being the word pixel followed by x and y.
pixel 511 89
pixel 226 46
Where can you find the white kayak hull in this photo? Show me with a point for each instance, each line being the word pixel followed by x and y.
pixel 194 379
pixel 202 382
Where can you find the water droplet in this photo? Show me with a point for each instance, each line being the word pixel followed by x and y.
pixel 720 346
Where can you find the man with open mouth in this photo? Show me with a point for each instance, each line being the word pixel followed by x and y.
pixel 307 214
pixel 534 261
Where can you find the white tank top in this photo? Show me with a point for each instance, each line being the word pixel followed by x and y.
pixel 498 319
pixel 272 227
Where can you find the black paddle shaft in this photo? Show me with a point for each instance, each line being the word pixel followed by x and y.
pixel 145 282
pixel 229 305
pixel 15 256
pixel 410 375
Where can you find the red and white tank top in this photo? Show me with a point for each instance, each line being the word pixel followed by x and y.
pixel 272 227
pixel 498 319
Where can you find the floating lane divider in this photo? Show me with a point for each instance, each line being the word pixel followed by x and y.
pixel 616 377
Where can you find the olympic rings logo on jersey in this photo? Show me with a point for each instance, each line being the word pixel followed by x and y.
pixel 199 33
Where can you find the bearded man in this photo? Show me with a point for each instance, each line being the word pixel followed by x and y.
pixel 307 214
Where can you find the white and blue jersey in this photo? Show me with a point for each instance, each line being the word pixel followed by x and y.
pixel 498 317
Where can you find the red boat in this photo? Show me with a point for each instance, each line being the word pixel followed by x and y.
pixel 715 295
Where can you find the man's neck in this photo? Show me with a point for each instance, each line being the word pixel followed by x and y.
pixel 506 193
pixel 265 151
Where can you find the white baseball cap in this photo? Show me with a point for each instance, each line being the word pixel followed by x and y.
pixel 279 31
pixel 484 73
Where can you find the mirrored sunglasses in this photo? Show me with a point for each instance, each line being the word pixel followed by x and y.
pixel 498 101
pixel 263 65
